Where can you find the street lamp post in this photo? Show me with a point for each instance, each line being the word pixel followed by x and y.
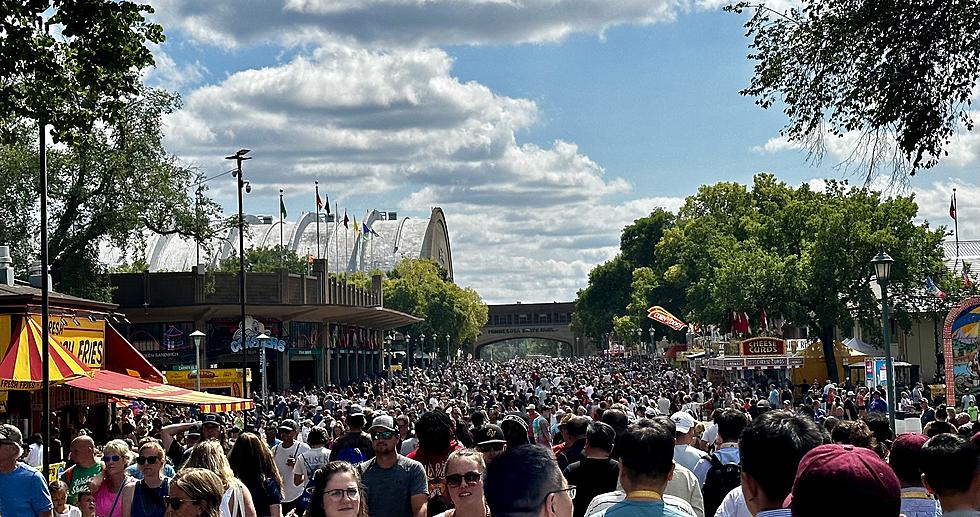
pixel 652 349
pixel 883 268
pixel 262 339
pixel 197 336
pixel 239 157
pixel 435 346
pixel 408 349
pixel 422 341
pixel 448 351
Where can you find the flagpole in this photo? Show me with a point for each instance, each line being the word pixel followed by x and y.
pixel 336 236
pixel 282 251
pixel 956 230
pixel 346 247
pixel 317 186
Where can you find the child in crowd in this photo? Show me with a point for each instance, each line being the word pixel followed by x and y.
pixel 59 497
pixel 86 504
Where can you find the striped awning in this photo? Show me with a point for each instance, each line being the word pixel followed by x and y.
pixel 21 367
pixel 133 388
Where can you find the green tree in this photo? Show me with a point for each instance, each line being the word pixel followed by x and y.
pixel 85 71
pixel 894 71
pixel 421 287
pixel 113 185
pixel 266 259
pixel 796 253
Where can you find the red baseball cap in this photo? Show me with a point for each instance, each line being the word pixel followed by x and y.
pixel 834 469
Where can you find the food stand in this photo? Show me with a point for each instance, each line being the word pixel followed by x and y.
pixel 749 358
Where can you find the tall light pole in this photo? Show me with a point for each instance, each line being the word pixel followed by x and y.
pixel 435 346
pixel 448 352
pixel 239 157
pixel 422 340
pixel 197 336
pixel 883 270
pixel 262 339
pixel 652 348
pixel 408 349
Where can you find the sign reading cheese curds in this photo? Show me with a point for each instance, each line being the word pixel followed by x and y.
pixel 763 346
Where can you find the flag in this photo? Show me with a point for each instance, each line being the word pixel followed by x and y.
pixel 346 220
pixel 763 321
pixel 282 207
pixel 319 202
pixel 952 207
pixel 355 224
pixel 934 289
pixel 967 281
pixel 327 205
pixel 365 229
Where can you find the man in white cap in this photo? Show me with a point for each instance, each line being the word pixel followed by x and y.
pixel 23 490
pixel 684 453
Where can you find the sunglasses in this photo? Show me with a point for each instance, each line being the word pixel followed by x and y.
pixel 383 435
pixel 454 480
pixel 490 447
pixel 175 503
pixel 147 459
pixel 112 458
pixel 339 493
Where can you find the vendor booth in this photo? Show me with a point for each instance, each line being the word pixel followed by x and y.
pixel 746 359
pixel 815 368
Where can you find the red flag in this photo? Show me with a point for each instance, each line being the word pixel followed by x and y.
pixel 319 202
pixel 967 281
pixel 952 207
pixel 346 220
pixel 763 321
pixel 744 322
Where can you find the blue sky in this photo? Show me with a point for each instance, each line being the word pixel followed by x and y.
pixel 573 115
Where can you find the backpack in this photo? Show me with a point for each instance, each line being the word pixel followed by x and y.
pixel 304 499
pixel 720 479
pixel 352 455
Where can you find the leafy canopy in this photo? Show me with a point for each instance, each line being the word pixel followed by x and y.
pixel 898 73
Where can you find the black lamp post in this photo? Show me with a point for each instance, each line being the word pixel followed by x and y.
pixel 883 270
pixel 239 157
pixel 408 349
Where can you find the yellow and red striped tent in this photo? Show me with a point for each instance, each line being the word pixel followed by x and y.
pixel 21 367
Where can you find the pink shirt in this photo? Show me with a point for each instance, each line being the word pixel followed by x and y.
pixel 105 498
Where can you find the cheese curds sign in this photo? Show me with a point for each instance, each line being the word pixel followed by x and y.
pixel 660 315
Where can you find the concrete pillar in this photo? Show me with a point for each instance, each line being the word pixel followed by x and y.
pixel 377 290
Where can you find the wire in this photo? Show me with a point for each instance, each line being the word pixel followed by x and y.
pixel 205 180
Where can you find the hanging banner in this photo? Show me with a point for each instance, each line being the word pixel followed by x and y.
pixel 660 315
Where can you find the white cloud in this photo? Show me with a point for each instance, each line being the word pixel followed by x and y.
pixel 933 200
pixel 397 122
pixel 230 23
pixel 169 75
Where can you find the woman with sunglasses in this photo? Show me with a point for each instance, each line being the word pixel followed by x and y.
pixel 107 489
pixel 145 497
pixel 464 480
pixel 194 493
pixel 337 492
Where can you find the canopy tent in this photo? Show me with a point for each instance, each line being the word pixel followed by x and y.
pixel 814 366
pixel 123 386
pixel 862 348
pixel 22 365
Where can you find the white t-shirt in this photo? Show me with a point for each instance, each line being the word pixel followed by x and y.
pixel 309 461
pixel 733 505
pixel 281 454
pixel 70 511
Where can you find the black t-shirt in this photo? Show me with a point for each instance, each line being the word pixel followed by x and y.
pixel 591 476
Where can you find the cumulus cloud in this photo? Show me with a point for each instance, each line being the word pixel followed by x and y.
pixel 169 75
pixel 231 23
pixel 396 121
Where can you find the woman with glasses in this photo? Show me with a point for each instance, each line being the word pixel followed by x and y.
pixel 145 497
pixel 194 493
pixel 337 491
pixel 107 489
pixel 464 480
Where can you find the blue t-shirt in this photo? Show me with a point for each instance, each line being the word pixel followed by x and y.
pixel 627 508
pixel 23 493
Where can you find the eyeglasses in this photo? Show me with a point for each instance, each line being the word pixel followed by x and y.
pixel 490 447
pixel 175 503
pixel 112 458
pixel 454 480
pixel 571 489
pixel 147 459
pixel 383 435
pixel 338 494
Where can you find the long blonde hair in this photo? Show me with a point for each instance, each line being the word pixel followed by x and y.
pixel 210 455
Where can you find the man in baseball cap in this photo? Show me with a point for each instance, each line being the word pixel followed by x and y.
pixel 684 451
pixel 490 441
pixel 23 490
pixel 845 469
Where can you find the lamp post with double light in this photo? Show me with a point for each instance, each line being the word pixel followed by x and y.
pixel 883 270
pixel 239 157
pixel 198 337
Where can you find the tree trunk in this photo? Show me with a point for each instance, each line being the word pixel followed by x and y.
pixel 830 360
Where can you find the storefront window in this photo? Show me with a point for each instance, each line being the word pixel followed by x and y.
pixel 303 334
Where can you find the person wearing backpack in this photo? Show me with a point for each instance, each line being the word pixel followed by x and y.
pixel 720 471
pixel 355 445
pixel 308 462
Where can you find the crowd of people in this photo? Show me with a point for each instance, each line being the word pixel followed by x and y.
pixel 560 437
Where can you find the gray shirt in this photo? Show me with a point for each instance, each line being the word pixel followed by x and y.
pixel 390 491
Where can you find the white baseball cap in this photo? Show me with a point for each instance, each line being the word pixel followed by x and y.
pixel 683 421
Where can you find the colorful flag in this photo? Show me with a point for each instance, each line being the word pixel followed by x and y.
pixel 952 207
pixel 346 220
pixel 319 202
pixel 282 206
pixel 763 321
pixel 934 289
pixel 355 224
pixel 660 315
pixel 365 229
